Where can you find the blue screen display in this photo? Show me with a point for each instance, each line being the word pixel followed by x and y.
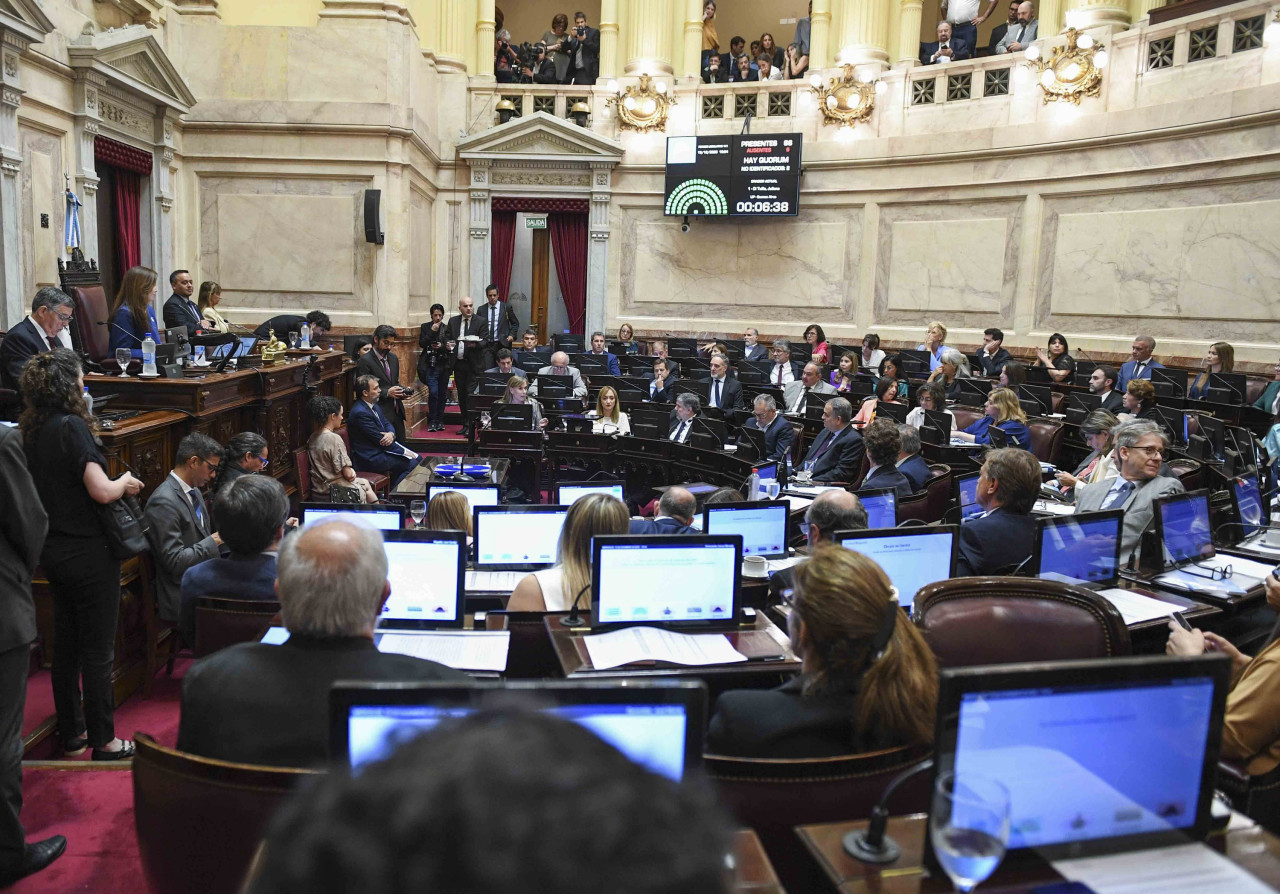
pixel 881 509
pixel 1249 502
pixel 1185 523
pixel 911 560
pixel 1080 547
pixel 969 497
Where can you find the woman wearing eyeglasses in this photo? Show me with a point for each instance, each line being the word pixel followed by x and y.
pixel 245 454
pixel 868 680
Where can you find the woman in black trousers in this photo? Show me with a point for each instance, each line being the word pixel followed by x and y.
pixel 70 473
pixel 433 367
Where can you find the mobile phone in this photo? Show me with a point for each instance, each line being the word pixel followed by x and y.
pixel 1182 621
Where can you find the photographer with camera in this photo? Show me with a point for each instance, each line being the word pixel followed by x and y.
pixel 583 47
pixel 505 58
pixel 538 69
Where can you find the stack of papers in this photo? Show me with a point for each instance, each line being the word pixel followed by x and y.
pixel 474 650
pixel 1136 608
pixel 795 503
pixel 609 650
pixel 810 490
pixel 1050 507
pixel 1189 868
pixel 1245 575
pixel 492 581
pixel 776 565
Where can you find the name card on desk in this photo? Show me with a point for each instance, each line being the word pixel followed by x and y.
pixel 619 647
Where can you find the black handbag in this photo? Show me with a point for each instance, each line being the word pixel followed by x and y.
pixel 125 527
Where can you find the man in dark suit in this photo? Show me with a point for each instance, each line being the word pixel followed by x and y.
pixel 724 391
pixel 1141 365
pixel 374 447
pixel 51 312
pixel 946 48
pixel 253 512
pixel 688 405
pixel 598 350
pixel 283 324
pixel 466 357
pixel 1003 537
pixel 836 454
pixel 265 704
pixel 499 323
pixel 830 512
pixel 883 444
pixel 676 510
pixel 384 365
pixel 179 309
pixel 778 433
pixel 993 355
pixel 181 531
pixel 23 525
pixel 910 462
pixel 752 349
pixel 1102 382
pixel 999 31
pixel 583 48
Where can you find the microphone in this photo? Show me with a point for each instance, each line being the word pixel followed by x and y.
pixel 873 845
pixel 573 619
pixel 121 328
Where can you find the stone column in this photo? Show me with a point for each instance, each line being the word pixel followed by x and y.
pixel 87 122
pixel 479 230
pixel 450 41
pixel 1050 15
pixel 162 192
pixel 692 39
pixel 861 31
pixel 485 24
pixel 1138 9
pixel 820 35
pixel 648 39
pixel 1084 14
pixel 14 306
pixel 598 247
pixel 908 32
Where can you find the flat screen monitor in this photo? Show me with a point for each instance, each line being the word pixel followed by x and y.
pixel 241 348
pixel 882 507
pixel 633 580
pixel 476 494
pixel 896 412
pixel 942 422
pixel 1182 523
pixel 913 558
pixel 517 538
pixel 1037 729
pixel 383 516
pixel 569 492
pixel 1248 500
pixel 1080 548
pixel 1215 432
pixel 768 473
pixel 967 485
pixel 762 525
pixel 426 570
pixel 659 725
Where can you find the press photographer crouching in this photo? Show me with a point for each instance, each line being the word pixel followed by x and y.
pixel 535 66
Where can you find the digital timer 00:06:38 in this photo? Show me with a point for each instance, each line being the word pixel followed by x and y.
pixel 777 207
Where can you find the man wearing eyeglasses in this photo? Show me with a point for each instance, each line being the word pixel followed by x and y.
pixel 1140 449
pixel 778 433
pixel 44 330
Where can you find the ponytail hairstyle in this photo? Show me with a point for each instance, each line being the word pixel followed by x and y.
pixel 239 445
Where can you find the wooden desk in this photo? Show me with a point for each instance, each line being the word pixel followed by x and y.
pixel 752 871
pixel 1254 848
pixel 415 483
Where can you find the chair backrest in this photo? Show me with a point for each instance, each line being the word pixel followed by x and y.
pixel 773 796
pixel 965 417
pixel 938 489
pixel 1046 439
pixel 83 282
pixel 531 654
pixel 222 622
pixel 915 507
pixel 199 821
pixel 346 438
pixel 999 620
pixel 302 462
pixel 1189 471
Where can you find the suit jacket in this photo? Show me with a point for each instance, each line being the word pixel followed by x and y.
pixel 1263 403
pixel 960 50
pixel 996 542
pixel 887 476
pixel 1137 508
pixel 473 355
pixel 842 460
pixel 369 364
pixel 997 35
pixel 610 362
pixel 178 311
pixel 1016 34
pixel 282 325
pixel 756 352
pixel 792 392
pixel 236 577
pixel 575 377
pixel 508 325
pixel 659 526
pixel 783 723
pixel 23 525
pixel 590 44
pixel 20 344
pixel 778 437
pixel 917 471
pixel 1114 401
pixel 125 335
pixel 263 704
pixel 662 395
pixel 178 541
pixel 730 393
pixel 365 427
pixel 992 363
pixel 1127 373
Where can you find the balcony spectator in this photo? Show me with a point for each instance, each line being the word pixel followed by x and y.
pixel 556 40
pixel 505 59
pixel 710 40
pixel 742 71
pixel 1023 33
pixel 947 48
pixel 766 68
pixel 965 18
pixel 999 31
pixel 584 52
pixel 804 28
pixel 712 73
pixel 796 63
pixel 543 70
pixel 768 46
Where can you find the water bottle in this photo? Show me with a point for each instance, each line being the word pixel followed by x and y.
pixel 149 356
pixel 753 485
pixel 304 336
pixel 88 399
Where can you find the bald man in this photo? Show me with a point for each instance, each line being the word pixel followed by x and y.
pixel 675 515
pixel 464 340
pixel 560 367
pixel 830 512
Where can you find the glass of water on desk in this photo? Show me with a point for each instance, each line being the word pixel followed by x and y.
pixel 123 356
pixel 969 827
pixel 417 511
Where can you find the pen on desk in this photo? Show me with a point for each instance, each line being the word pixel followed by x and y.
pixel 774 658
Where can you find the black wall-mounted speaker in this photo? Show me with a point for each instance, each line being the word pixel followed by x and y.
pixel 373 217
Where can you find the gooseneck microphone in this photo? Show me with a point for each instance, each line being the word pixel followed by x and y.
pixel 573 619
pixel 121 328
pixel 873 845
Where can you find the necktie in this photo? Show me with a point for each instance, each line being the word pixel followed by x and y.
pixel 53 342
pixel 678 437
pixel 801 401
pixel 462 330
pixel 386 366
pixel 1118 496
pixel 1021 31
pixel 493 324
pixel 194 496
pixel 825 444
pixel 779 368
pixel 716 400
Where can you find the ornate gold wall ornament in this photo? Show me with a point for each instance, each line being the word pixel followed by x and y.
pixel 848 99
pixel 642 107
pixel 1073 71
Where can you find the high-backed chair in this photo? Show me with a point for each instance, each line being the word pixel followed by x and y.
pixel 965 417
pixel 938 488
pixel 161 637
pixel 302 464
pixel 999 620
pixel 199 821
pixel 381 483
pixel 82 280
pixel 222 622
pixel 1046 439
pixel 774 795
pixel 531 654
pixel 1189 471
pixel 914 507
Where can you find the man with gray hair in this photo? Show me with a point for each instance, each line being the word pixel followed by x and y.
pixel 1139 455
pixel 778 433
pixel 910 462
pixel 687 406
pixel 836 454
pixel 751 347
pixel 1141 365
pixel 266 704
pixel 782 373
pixel 51 312
pixel 831 511
pixel 560 367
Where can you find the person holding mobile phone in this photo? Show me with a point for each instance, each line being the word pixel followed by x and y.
pixel 1251 727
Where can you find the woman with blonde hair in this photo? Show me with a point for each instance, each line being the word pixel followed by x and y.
pixel 868 680
pixel 934 336
pixel 133 312
pixel 449 511
pixel 210 296
pixel 627 339
pixel 608 415
pixel 1002 411
pixel 518 393
pixel 1220 358
pixel 558 588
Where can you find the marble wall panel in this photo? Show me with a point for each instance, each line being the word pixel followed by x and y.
pixel 421 245
pixel 41 193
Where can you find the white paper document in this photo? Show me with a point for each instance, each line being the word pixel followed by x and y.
pixel 1181 579
pixel 776 565
pixel 1051 507
pixel 1255 544
pixel 1135 607
pixel 609 650
pixel 493 581
pixel 473 650
pixel 795 503
pixel 1183 869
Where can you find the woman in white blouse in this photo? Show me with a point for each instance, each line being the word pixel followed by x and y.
pixel 210 295
pixel 558 588
pixel 608 415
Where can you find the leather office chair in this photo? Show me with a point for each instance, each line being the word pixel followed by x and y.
pixel 965 417
pixel 381 483
pixel 938 489
pixel 1253 388
pixel 162 639
pixel 302 463
pixel 82 280
pixel 1257 797
pixel 773 796
pixel 914 508
pixel 199 821
pixel 531 655
pixel 1046 439
pixel 999 620
pixel 1189 471
pixel 222 622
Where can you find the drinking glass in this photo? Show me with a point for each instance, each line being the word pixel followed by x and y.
pixel 123 356
pixel 417 511
pixel 293 340
pixel 969 827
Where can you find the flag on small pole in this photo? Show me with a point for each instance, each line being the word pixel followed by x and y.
pixel 72 227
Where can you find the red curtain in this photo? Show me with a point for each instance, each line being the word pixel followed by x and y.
pixel 503 249
pixel 129 229
pixel 569 247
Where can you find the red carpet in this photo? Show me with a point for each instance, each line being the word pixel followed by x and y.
pixel 39 704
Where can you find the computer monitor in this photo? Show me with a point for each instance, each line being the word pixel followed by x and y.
pixel 1228 388
pixel 1247 497
pixel 384 516
pixel 569 492
pixel 1040 395
pixel 761 524
pixel 633 580
pixel 517 537
pixel 1174 422
pixel 913 558
pixel 241 348
pixel 896 412
pixel 1182 524
pixel 1038 730
pixel 476 494
pixel 1082 548
pixel 1215 432
pixel 881 505
pixel 426 570
pixel 511 417
pixel 967 488
pixel 940 421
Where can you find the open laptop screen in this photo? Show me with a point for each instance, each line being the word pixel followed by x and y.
pixel 688 579
pixel 968 486
pixel 517 537
pixel 485 495
pixel 912 557
pixel 881 506
pixel 384 518
pixel 425 570
pixel 1083 547
pixel 762 524
pixel 1183 522
pixel 1248 504
pixel 571 493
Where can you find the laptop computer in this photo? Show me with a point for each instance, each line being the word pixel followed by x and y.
pixel 881 505
pixel 476 494
pixel 761 524
pixel 633 577
pixel 384 516
pixel 569 492
pixel 1082 549
pixel 243 348
pixel 511 417
pixel 913 558
pixel 967 493
pixel 425 570
pixel 517 537
pixel 1038 729
pixel 1192 564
